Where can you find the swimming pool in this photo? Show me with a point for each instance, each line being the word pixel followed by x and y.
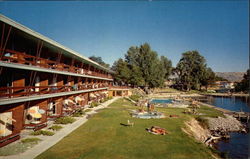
pixel 162 101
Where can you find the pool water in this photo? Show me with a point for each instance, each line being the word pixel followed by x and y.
pixel 162 101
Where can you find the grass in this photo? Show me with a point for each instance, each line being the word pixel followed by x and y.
pixel 65 120
pixel 166 90
pixel 103 137
pixel 19 147
pixel 209 112
pixel 135 97
pixel 42 132
pixel 56 127
pixel 202 121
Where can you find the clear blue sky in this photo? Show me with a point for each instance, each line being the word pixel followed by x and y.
pixel 219 30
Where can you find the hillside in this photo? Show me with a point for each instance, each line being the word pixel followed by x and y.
pixel 231 76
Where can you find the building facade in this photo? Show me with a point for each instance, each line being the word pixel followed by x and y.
pixel 41 79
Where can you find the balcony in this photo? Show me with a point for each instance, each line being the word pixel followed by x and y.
pixel 12 56
pixel 12 92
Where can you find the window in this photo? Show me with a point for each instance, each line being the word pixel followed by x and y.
pixel 52 108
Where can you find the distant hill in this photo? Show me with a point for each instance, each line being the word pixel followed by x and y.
pixel 231 76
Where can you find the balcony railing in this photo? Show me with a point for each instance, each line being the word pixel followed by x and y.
pixel 12 92
pixel 23 58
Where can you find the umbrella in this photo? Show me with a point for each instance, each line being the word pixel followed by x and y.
pixel 36 115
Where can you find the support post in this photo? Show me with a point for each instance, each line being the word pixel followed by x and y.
pixel 1 70
pixel 38 51
pixel 4 43
pixel 72 64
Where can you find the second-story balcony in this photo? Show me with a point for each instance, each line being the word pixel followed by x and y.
pixel 12 92
pixel 12 56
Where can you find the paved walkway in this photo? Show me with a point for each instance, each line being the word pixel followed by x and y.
pixel 52 140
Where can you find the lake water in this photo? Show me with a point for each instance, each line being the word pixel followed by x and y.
pixel 237 147
pixel 230 103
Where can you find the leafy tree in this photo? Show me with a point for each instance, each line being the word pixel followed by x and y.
pixel 217 78
pixel 146 69
pixel 122 72
pixel 192 70
pixel 99 60
pixel 136 78
pixel 244 84
pixel 167 66
pixel 208 77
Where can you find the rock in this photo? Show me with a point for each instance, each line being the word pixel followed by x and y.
pixel 226 124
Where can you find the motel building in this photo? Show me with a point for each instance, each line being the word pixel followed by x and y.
pixel 41 80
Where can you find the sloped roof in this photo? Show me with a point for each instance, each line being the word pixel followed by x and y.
pixel 66 51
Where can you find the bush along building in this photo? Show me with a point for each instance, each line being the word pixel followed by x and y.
pixel 41 79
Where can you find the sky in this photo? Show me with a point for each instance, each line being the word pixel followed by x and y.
pixel 219 30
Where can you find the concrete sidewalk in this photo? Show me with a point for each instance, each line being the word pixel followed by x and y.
pixel 52 140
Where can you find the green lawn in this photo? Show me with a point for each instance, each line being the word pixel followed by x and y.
pixel 167 90
pixel 102 137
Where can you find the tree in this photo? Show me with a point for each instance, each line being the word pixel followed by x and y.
pixel 167 66
pixel 122 72
pixel 136 78
pixel 99 61
pixel 191 70
pixel 217 78
pixel 208 77
pixel 146 69
pixel 244 85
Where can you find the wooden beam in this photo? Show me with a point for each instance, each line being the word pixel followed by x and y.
pixel 4 42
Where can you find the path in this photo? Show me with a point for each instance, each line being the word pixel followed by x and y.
pixel 52 140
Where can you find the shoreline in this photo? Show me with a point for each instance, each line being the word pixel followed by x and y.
pixel 225 94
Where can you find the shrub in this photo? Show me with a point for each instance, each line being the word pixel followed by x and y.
pixel 110 98
pixel 87 110
pixel 31 140
pixel 43 132
pixel 65 120
pixel 94 104
pixel 56 127
pixel 78 113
